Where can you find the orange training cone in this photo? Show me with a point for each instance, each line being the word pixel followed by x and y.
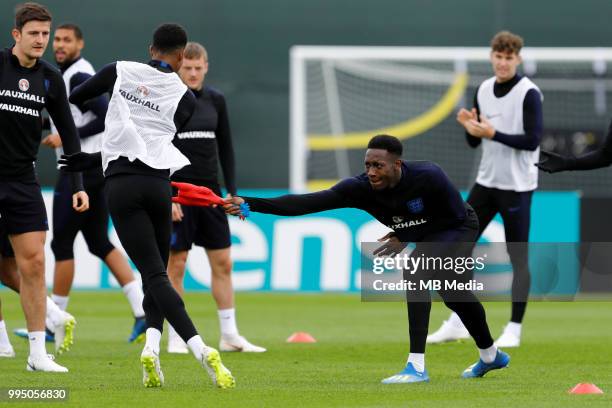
pixel 301 337
pixel 585 388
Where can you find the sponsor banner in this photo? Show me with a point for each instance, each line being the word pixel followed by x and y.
pixel 317 252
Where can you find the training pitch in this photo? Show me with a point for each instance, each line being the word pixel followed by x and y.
pixel 358 344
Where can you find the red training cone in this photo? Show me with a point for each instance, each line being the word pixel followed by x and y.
pixel 585 388
pixel 301 337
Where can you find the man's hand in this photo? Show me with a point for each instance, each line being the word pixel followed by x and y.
pixel 228 196
pixel 80 161
pixel 483 129
pixel 552 162
pixel 53 141
pixel 80 201
pixel 177 212
pixel 465 115
pixel 392 245
pixel 232 205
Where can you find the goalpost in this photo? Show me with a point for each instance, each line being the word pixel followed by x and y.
pixel 342 96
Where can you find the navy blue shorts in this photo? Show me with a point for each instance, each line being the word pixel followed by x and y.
pixel 202 226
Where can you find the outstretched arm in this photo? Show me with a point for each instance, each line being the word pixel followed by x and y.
pixel 552 162
pixel 290 204
pixel 102 82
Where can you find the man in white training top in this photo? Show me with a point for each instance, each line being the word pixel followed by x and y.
pixel 507 120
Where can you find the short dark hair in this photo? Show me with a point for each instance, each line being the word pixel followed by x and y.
pixel 30 11
pixel 78 33
pixel 169 37
pixel 386 142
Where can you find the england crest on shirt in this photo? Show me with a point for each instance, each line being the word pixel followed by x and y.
pixel 142 91
pixel 24 84
pixel 415 206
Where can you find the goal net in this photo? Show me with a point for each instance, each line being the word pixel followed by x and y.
pixel 342 96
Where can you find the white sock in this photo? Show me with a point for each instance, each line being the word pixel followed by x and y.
pixel 417 360
pixel 133 292
pixel 4 339
pixel 196 344
pixel 488 355
pixel 227 322
pixel 455 320
pixel 55 315
pixel 172 334
pixel 513 328
pixel 61 301
pixel 153 339
pixel 37 343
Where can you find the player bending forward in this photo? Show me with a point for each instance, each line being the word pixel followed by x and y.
pixel 386 191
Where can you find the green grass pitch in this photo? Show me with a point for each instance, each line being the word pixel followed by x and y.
pixel 358 345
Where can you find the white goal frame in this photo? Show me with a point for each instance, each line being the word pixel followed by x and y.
pixel 300 55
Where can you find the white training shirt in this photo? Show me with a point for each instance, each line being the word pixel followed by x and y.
pixel 502 166
pixel 140 119
pixel 92 143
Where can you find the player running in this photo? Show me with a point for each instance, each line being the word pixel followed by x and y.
pixel 507 120
pixel 89 117
pixel 149 104
pixel 205 136
pixel 392 189
pixel 27 85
